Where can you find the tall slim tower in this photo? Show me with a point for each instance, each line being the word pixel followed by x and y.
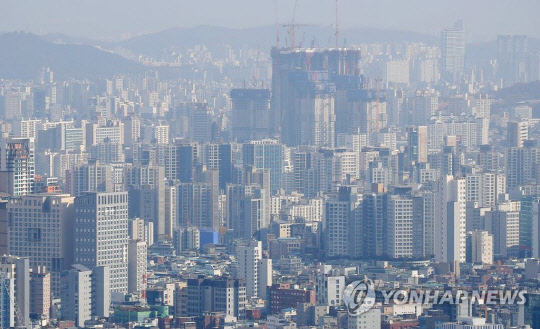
pixel 450 220
pixel 101 234
pixel 453 52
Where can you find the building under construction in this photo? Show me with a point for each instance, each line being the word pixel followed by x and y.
pixel 318 93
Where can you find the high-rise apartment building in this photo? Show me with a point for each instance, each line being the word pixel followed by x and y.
pixel 251 114
pixel 221 294
pixel 17 166
pixel 91 177
pixel 200 123
pixel 329 286
pixel 137 264
pixel 197 204
pixel 40 295
pixel 142 230
pixel 450 220
pixel 503 225
pixel 339 221
pixel 266 154
pixel 513 59
pixel 256 271
pixel 101 234
pixel 418 144
pixel 85 293
pixel 453 52
pixel 247 210
pixel 146 188
pixel 517 132
pixel 399 227
pixel 480 247
pixel 219 156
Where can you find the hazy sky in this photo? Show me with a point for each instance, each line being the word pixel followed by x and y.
pixel 107 19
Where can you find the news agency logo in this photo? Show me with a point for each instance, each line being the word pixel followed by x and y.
pixel 359 297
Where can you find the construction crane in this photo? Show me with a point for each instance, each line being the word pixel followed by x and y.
pixel 377 104
pixel 337 25
pixel 292 26
pixel 276 12
pixel 20 321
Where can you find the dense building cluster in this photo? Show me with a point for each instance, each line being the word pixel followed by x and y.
pixel 196 202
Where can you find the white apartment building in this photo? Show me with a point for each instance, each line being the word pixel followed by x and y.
pixel 399 227
pixel 137 265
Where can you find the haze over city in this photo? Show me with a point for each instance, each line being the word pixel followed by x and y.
pixel 104 19
pixel 274 164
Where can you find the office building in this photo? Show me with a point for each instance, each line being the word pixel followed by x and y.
pixel 283 296
pixel 42 229
pixel 171 208
pixel 423 106
pixel 4 223
pixel 101 235
pixel 317 93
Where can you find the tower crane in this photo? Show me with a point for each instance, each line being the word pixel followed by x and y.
pixel 292 26
pixel 337 25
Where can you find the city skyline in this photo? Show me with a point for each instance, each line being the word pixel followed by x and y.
pixel 218 178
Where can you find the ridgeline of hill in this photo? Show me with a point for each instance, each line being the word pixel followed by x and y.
pixel 23 55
